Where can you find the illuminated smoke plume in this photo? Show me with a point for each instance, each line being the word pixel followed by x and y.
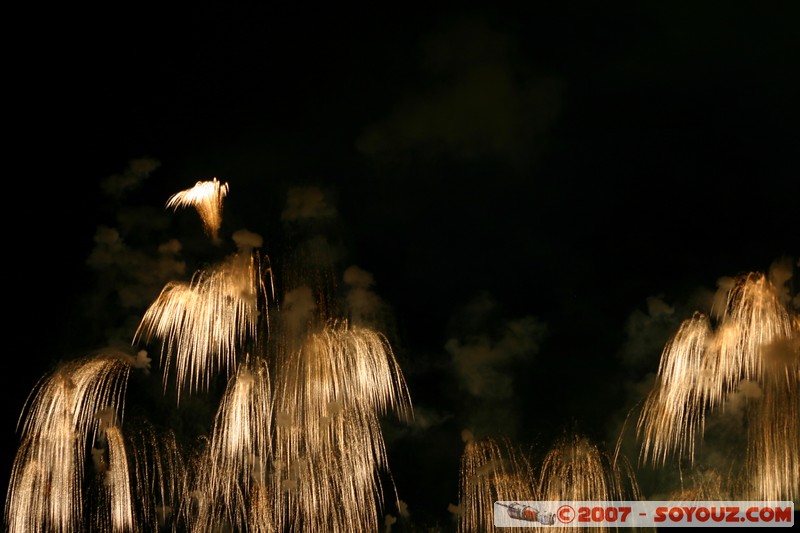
pixel 482 362
pixel 486 105
pixel 247 240
pixel 364 306
pixel 207 198
pixel 704 484
pixel 129 276
pixel 312 266
pixel 747 351
pixel 306 203
pixel 298 312
pixel 137 171
pixel 487 353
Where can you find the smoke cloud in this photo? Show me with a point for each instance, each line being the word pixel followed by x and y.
pixel 484 104
pixel 364 306
pixel 138 170
pixel 306 203
pixel 298 309
pixel 484 357
pixel 246 239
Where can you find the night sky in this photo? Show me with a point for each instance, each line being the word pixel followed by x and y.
pixel 541 192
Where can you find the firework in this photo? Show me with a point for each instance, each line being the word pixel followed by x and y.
pixel 118 481
pixel 329 446
pixel 753 318
pixel 755 348
pixel 46 487
pixel 491 470
pixel 773 454
pixel 231 477
pixel 203 324
pixel 576 469
pixel 206 197
pixel 704 484
pixel 673 412
pixel 159 479
pixel 316 467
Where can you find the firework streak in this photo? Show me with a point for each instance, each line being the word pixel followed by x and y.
pixel 606 514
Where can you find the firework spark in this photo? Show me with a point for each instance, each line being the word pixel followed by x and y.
pixel 45 490
pixel 118 481
pixel 232 477
pixel 673 412
pixel 754 318
pixel 204 323
pixel 773 454
pixel 317 468
pixel 576 469
pixel 206 197
pixel 160 479
pixel 756 344
pixel 491 471
pixel 329 445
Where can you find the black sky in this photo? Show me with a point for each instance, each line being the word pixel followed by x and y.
pixel 557 162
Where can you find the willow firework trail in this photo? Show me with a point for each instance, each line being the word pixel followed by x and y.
pixel 491 470
pixel 329 445
pixel 755 348
pixel 160 479
pixel 207 198
pixel 232 474
pixel 118 482
pixel 753 319
pixel 61 420
pixel 303 454
pixel 203 324
pixel 575 469
pixel 673 412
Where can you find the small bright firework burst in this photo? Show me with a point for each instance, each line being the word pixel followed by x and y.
pixel 207 198
pixel 46 487
pixel 491 470
pixel 756 348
